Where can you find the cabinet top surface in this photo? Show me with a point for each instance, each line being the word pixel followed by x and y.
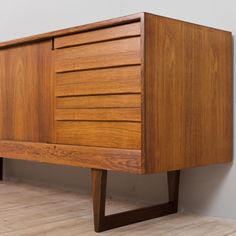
pixel 77 29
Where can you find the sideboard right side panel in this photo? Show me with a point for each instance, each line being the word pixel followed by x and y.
pixel 188 95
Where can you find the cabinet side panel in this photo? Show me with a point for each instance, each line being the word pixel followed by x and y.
pixel 26 93
pixel 188 95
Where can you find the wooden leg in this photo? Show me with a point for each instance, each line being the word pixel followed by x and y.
pixel 173 187
pixel 99 181
pixel 103 222
pixel 1 168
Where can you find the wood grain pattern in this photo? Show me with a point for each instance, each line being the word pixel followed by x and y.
pixel 101 101
pixel 88 157
pixel 103 81
pixel 124 135
pixel 102 114
pixel 98 55
pixel 188 95
pixel 26 99
pixel 121 31
pixel 177 74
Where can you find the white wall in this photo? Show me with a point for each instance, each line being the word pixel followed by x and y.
pixel 209 190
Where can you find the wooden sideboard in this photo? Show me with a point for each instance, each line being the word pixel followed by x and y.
pixel 139 94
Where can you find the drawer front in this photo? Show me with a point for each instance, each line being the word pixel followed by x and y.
pixel 99 101
pixel 125 135
pixel 101 114
pixel 118 80
pixel 98 88
pixel 121 31
pixel 99 55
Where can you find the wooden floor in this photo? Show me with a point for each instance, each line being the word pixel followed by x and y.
pixel 29 210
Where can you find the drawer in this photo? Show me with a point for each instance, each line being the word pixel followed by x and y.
pixel 99 55
pixel 99 114
pixel 121 31
pixel 99 81
pixel 100 101
pixel 126 135
pixel 98 88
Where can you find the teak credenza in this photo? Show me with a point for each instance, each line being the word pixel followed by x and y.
pixel 140 94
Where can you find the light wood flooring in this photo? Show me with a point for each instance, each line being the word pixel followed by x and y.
pixel 30 210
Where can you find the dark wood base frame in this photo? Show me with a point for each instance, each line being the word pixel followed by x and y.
pixel 1 168
pixel 103 222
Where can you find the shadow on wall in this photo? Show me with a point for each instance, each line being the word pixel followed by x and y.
pixel 144 188
pixel 204 190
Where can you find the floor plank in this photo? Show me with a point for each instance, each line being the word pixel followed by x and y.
pixel 31 210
